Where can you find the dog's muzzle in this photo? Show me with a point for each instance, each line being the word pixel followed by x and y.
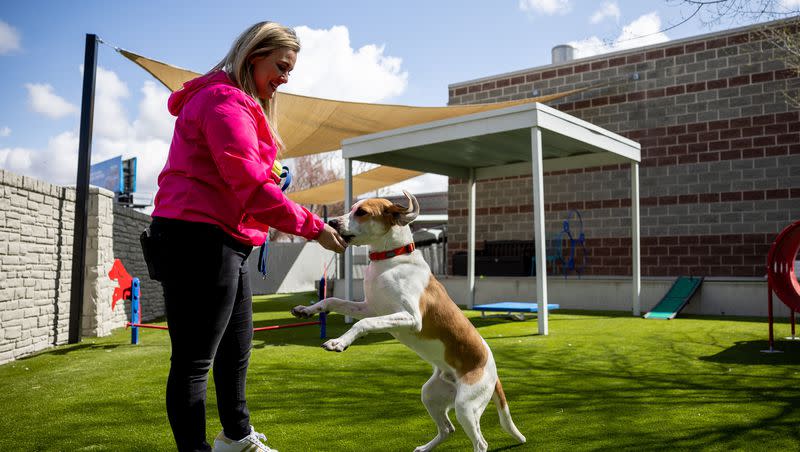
pixel 337 225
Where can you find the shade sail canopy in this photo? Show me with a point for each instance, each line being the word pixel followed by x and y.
pixel 365 182
pixel 310 125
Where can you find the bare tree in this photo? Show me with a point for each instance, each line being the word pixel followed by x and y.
pixel 785 38
pixel 787 41
pixel 313 170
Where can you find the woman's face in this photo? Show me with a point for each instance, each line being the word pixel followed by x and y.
pixel 272 70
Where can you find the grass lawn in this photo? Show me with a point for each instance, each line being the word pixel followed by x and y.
pixel 599 381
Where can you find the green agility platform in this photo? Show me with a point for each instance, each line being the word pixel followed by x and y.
pixel 676 298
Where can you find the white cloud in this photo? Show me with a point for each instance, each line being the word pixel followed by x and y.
pixel 43 100
pixel 329 67
pixel 154 119
pixel 548 7
pixel 147 137
pixel 608 9
pixel 646 28
pixel 789 5
pixel 9 38
pixel 16 160
pixel 57 163
pixel 427 183
pixel 110 119
pixel 5 131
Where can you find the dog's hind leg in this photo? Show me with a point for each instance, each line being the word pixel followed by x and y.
pixel 438 395
pixel 470 402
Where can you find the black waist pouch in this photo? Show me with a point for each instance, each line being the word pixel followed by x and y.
pixel 150 250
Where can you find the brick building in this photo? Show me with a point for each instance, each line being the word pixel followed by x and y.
pixel 720 171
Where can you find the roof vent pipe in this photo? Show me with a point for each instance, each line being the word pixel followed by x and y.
pixel 563 53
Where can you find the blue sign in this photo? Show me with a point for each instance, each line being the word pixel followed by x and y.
pixel 108 175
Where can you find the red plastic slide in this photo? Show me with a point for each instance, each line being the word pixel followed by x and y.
pixel 781 277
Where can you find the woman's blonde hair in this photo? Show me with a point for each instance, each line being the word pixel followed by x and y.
pixel 260 39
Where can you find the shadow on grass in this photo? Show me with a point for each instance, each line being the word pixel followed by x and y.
pixel 309 335
pixel 513 446
pixel 751 352
pixel 281 302
pixel 67 349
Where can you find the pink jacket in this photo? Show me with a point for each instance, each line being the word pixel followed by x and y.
pixel 219 168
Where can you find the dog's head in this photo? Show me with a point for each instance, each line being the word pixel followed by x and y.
pixel 371 219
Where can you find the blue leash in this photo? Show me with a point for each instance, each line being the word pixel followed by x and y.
pixel 286 180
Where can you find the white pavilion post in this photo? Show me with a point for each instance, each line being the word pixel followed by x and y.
pixel 635 224
pixel 348 252
pixel 537 179
pixel 471 187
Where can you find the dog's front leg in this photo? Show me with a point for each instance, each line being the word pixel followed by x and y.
pixel 396 321
pixel 356 309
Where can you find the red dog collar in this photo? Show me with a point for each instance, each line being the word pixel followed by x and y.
pixel 379 256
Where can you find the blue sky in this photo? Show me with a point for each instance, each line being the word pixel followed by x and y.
pixel 388 52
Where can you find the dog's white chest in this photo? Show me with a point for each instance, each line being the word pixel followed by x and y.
pixel 397 286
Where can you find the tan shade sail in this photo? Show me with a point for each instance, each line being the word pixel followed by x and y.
pixel 310 125
pixel 365 182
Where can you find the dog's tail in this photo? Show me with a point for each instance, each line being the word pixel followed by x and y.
pixel 499 398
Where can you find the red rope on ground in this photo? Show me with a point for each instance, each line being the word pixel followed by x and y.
pixel 290 325
pixel 263 328
pixel 146 325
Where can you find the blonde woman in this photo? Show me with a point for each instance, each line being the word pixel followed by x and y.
pixel 216 200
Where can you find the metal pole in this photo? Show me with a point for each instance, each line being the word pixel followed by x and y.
pixel 136 314
pixel 348 252
pixel 537 179
pixel 471 187
pixel 636 283
pixel 769 315
pixel 82 191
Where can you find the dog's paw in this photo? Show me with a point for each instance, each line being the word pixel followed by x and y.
pixel 302 312
pixel 335 345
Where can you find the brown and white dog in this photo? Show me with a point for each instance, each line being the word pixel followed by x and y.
pixel 404 299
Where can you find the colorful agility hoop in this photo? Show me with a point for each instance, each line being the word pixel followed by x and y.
pixel 781 276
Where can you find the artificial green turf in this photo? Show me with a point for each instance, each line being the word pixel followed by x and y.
pixel 599 381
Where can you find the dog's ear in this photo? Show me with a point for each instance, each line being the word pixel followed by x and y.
pixel 402 215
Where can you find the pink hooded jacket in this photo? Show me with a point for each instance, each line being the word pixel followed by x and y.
pixel 219 168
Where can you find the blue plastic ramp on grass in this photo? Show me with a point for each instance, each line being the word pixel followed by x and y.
pixel 676 298
pixel 512 306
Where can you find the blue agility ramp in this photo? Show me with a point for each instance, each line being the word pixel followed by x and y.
pixel 514 309
pixel 676 298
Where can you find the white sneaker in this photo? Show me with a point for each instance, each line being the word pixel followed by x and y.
pixel 254 442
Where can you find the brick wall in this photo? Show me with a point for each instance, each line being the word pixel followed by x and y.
pixel 720 172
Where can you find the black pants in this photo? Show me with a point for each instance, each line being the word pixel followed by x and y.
pixel 207 294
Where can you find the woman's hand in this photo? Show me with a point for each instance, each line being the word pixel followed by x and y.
pixel 331 240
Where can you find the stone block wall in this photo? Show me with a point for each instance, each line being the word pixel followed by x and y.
pixel 36 239
pixel 98 317
pixel 36 222
pixel 720 172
